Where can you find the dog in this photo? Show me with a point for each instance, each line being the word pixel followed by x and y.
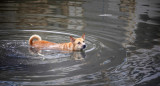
pixel 75 44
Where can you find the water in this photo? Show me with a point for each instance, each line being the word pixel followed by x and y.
pixel 122 37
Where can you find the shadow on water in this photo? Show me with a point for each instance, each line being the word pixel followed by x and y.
pixel 122 42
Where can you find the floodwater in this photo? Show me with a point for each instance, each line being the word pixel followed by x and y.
pixel 122 37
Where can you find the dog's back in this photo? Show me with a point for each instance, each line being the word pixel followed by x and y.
pixel 37 42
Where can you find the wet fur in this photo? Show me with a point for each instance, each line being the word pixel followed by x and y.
pixel 74 44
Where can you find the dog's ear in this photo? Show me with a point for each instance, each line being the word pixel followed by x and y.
pixel 83 36
pixel 72 39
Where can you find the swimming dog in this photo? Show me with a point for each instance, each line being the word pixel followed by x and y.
pixel 75 44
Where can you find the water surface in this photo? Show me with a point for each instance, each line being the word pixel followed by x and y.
pixel 122 37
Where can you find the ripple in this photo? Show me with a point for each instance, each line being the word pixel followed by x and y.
pixel 51 65
pixel 57 36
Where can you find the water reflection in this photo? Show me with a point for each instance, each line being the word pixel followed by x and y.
pixel 140 67
pixel 129 8
pixel 76 55
pixel 43 14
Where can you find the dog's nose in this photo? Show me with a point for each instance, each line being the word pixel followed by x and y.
pixel 84 46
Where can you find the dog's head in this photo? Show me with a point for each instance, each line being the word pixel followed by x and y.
pixel 79 43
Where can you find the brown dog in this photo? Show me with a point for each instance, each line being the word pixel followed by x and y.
pixel 74 44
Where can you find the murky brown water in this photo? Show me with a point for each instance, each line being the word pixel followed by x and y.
pixel 122 37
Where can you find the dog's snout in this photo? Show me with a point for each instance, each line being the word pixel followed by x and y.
pixel 84 46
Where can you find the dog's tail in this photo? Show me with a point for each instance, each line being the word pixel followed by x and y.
pixel 37 37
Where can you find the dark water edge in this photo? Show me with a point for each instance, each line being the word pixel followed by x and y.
pixel 122 37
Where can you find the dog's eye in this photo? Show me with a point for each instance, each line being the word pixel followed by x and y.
pixel 83 41
pixel 79 42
